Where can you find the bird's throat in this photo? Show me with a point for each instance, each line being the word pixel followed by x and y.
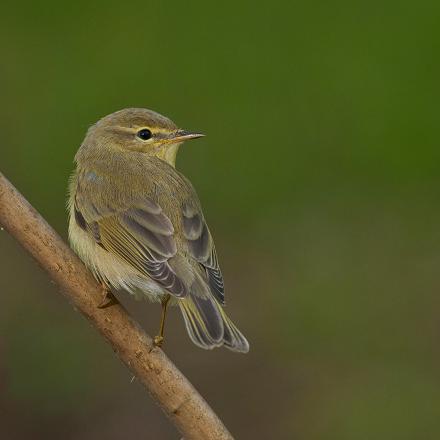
pixel 168 153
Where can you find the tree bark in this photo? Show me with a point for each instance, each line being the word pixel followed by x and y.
pixel 169 388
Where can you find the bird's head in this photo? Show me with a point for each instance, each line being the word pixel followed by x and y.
pixel 138 129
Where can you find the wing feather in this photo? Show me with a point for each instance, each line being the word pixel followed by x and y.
pixel 202 249
pixel 142 236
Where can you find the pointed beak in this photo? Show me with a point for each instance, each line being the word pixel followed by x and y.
pixel 183 135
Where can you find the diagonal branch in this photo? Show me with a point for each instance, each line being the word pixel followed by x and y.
pixel 179 400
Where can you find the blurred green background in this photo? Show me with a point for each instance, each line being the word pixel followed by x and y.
pixel 320 180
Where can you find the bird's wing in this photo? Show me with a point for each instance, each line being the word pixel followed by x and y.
pixel 142 235
pixel 201 247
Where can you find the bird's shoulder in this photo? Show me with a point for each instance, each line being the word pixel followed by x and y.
pixel 116 188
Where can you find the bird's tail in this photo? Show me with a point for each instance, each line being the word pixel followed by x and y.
pixel 208 325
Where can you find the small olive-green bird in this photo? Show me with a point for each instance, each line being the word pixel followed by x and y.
pixel 137 223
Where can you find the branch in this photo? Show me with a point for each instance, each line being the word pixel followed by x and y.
pixel 170 389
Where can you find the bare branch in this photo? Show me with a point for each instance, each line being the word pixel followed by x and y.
pixel 182 404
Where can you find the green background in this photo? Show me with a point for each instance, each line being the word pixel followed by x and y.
pixel 319 177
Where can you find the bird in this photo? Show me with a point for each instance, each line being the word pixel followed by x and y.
pixel 137 223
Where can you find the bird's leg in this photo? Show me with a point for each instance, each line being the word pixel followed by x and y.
pixel 108 299
pixel 158 340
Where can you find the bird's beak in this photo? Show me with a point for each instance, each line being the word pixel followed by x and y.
pixel 182 135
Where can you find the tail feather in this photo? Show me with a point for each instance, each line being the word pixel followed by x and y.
pixel 232 337
pixel 203 321
pixel 208 325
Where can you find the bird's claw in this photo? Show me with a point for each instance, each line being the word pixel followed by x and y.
pixel 158 341
pixel 108 299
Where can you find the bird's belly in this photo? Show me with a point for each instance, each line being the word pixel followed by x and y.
pixel 113 271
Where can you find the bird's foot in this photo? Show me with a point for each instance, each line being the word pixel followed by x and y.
pixel 158 341
pixel 108 299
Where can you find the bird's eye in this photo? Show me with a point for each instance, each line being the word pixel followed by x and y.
pixel 144 134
